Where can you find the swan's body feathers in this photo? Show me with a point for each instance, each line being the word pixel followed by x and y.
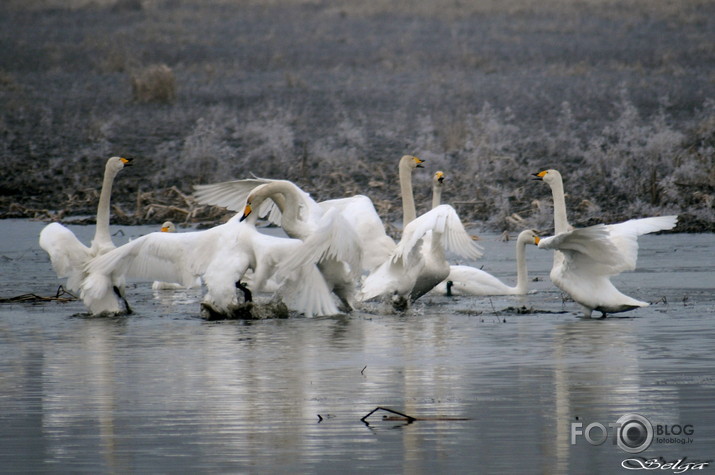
pixel 221 256
pixel 69 256
pixel 418 262
pixel 467 280
pixel 586 258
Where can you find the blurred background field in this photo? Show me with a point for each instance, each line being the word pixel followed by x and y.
pixel 618 95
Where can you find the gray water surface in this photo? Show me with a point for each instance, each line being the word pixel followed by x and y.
pixel 164 391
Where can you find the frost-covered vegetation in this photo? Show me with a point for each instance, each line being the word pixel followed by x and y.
pixel 619 96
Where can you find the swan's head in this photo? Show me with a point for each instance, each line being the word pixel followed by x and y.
pixel 247 210
pixel 438 177
pixel 410 162
pixel 168 227
pixel 549 176
pixel 254 199
pixel 117 163
pixel 528 236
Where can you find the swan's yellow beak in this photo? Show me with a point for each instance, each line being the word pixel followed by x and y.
pixel 418 162
pixel 246 211
pixel 439 176
pixel 536 240
pixel 539 176
pixel 126 161
pixel 164 229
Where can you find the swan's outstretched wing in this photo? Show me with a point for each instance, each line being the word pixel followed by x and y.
pixel 587 251
pixel 625 237
pixel 228 194
pixel 376 245
pixel 67 254
pixel 444 223
pixel 179 258
pixel 233 194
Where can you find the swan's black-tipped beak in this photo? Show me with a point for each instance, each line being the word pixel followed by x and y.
pixel 246 212
pixel 127 161
pixel 537 177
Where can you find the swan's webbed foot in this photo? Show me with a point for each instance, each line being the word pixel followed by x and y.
pixel 450 284
pixel 247 295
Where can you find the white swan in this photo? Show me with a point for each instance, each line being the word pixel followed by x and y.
pixel 339 253
pixel 167 227
pixel 587 258
pixel 296 212
pixel 220 256
pixel 468 280
pixel 418 263
pixel 67 254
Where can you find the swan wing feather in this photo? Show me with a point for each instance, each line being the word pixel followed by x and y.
pixel 625 236
pixel 67 254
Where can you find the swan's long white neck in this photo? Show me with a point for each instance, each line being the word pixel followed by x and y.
pixel 561 224
pixel 409 212
pixel 522 275
pixel 101 230
pixel 436 195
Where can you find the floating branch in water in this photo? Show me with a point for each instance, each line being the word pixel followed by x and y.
pixel 409 419
pixel 60 296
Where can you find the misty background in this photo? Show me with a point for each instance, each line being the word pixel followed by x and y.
pixel 619 96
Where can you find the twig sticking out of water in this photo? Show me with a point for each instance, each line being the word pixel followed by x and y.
pixel 59 297
pixel 409 419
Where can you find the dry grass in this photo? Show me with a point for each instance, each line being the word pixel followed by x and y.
pixel 154 84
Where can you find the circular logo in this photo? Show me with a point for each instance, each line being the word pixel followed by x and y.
pixel 634 434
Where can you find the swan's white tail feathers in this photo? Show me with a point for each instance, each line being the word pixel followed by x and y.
pixel 308 293
pixel 97 294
